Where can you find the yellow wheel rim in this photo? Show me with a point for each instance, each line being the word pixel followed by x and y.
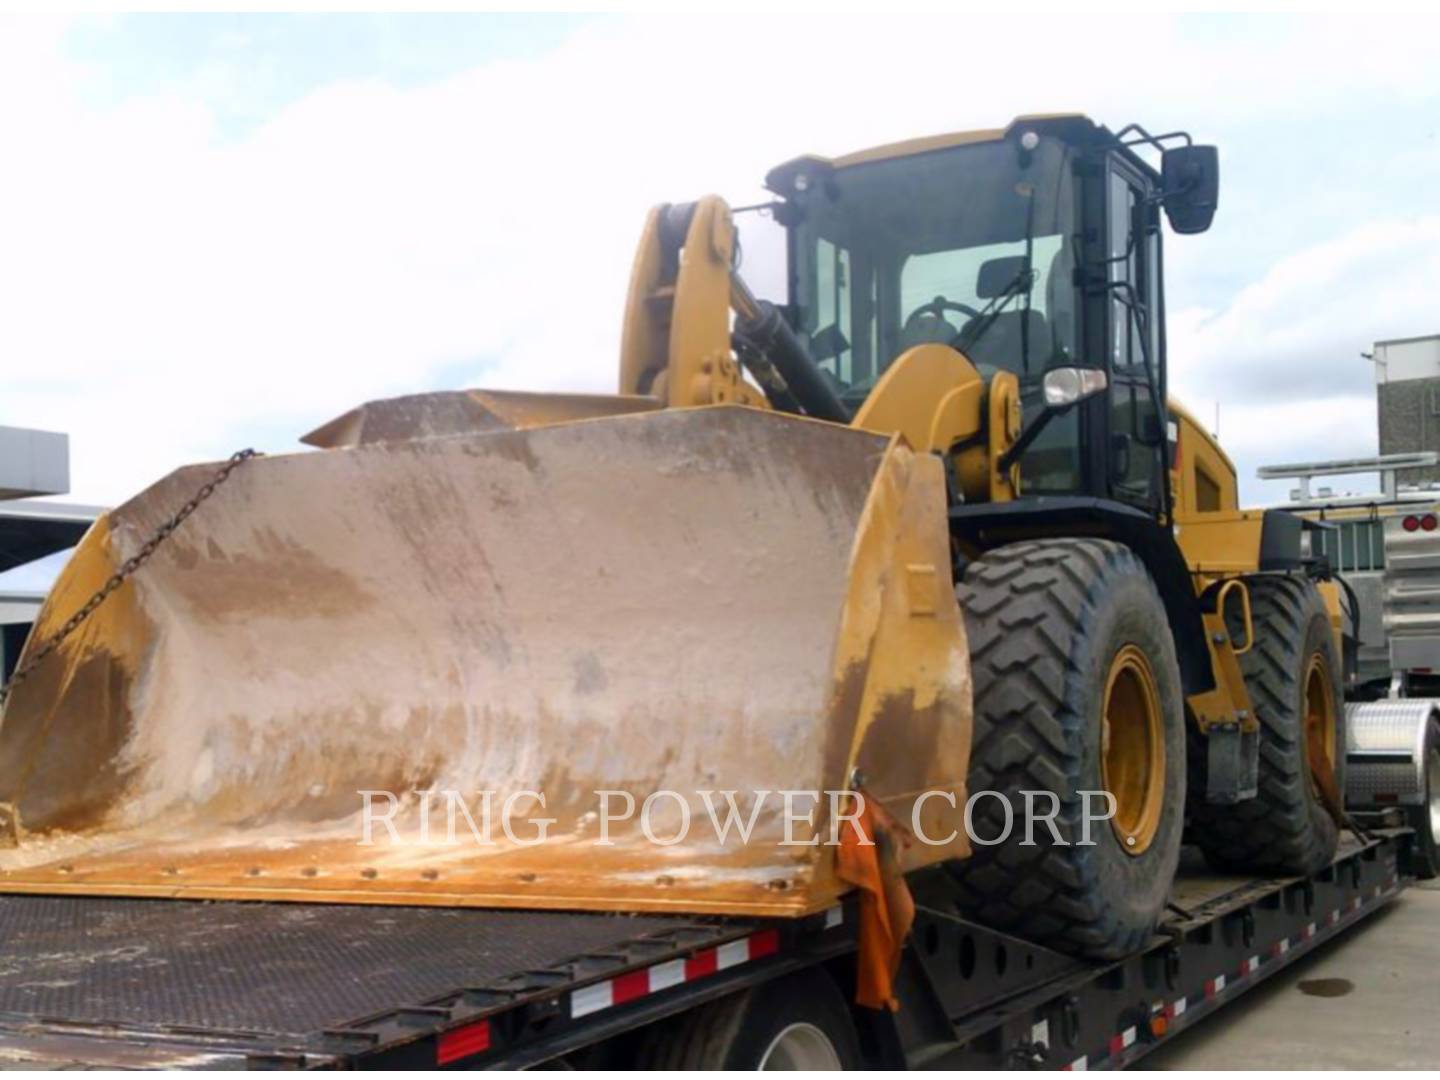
pixel 1132 749
pixel 1319 712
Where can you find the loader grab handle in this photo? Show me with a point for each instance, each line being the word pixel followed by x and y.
pixel 1235 583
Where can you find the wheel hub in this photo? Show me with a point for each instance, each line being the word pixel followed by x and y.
pixel 1132 752
pixel 800 1046
pixel 1319 713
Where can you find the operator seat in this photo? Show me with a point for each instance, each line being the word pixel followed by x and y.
pixel 926 329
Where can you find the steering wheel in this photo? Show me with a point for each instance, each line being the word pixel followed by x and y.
pixel 937 308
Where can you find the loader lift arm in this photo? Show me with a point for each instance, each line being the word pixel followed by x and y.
pixel 677 343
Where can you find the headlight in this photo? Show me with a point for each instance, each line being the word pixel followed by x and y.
pixel 1067 385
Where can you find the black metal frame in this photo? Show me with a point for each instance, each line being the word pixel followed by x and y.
pixel 977 997
pixel 1111 1015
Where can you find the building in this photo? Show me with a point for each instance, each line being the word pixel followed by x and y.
pixel 32 532
pixel 1407 389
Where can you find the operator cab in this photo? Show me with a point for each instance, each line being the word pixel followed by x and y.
pixel 1027 249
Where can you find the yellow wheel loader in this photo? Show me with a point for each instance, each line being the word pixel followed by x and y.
pixel 926 530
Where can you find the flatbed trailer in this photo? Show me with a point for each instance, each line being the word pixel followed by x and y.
pixel 120 982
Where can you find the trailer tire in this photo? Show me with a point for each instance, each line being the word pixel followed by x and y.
pixel 1285 829
pixel 797 1022
pixel 1059 630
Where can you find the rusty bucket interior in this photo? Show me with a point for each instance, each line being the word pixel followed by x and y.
pixel 306 693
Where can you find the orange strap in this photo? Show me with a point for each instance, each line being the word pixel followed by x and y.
pixel 886 907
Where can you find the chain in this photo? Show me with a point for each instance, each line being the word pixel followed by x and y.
pixel 128 567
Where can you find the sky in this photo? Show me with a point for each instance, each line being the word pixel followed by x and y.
pixel 222 231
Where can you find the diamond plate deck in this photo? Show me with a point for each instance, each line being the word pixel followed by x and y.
pixel 287 969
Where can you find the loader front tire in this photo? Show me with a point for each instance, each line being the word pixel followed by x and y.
pixel 1077 690
pixel 1293 675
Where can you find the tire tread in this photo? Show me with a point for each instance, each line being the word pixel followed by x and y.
pixel 1025 604
pixel 1278 831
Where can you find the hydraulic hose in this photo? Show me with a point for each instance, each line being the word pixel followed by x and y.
pixel 760 325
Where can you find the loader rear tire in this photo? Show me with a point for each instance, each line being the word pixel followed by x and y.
pixel 1292 673
pixel 798 1022
pixel 1069 638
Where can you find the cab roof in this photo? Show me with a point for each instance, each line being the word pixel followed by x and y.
pixel 1075 127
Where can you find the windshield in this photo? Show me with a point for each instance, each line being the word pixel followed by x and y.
pixel 970 246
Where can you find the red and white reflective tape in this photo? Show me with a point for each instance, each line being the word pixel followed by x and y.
pixel 1250 966
pixel 651 980
pixel 1122 1042
pixel 461 1042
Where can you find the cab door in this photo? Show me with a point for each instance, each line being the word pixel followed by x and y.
pixel 1134 459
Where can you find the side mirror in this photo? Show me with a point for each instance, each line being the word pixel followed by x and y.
pixel 1191 178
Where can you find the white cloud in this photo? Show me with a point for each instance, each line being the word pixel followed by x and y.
pixel 170 294
pixel 1287 431
pixel 1283 358
pixel 1290 330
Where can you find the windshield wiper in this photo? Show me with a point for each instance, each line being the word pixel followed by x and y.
pixel 1021 285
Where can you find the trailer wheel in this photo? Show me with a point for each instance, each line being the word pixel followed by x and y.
pixel 1077 690
pixel 1293 675
pixel 798 1022
pixel 1425 818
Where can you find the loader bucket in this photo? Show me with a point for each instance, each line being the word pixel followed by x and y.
pixel 306 693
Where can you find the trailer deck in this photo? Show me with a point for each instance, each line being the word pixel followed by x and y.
pixel 232 983
pixel 175 983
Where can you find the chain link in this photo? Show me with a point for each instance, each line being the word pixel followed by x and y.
pixel 128 567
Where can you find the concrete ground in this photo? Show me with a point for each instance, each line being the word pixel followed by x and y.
pixel 1368 1000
